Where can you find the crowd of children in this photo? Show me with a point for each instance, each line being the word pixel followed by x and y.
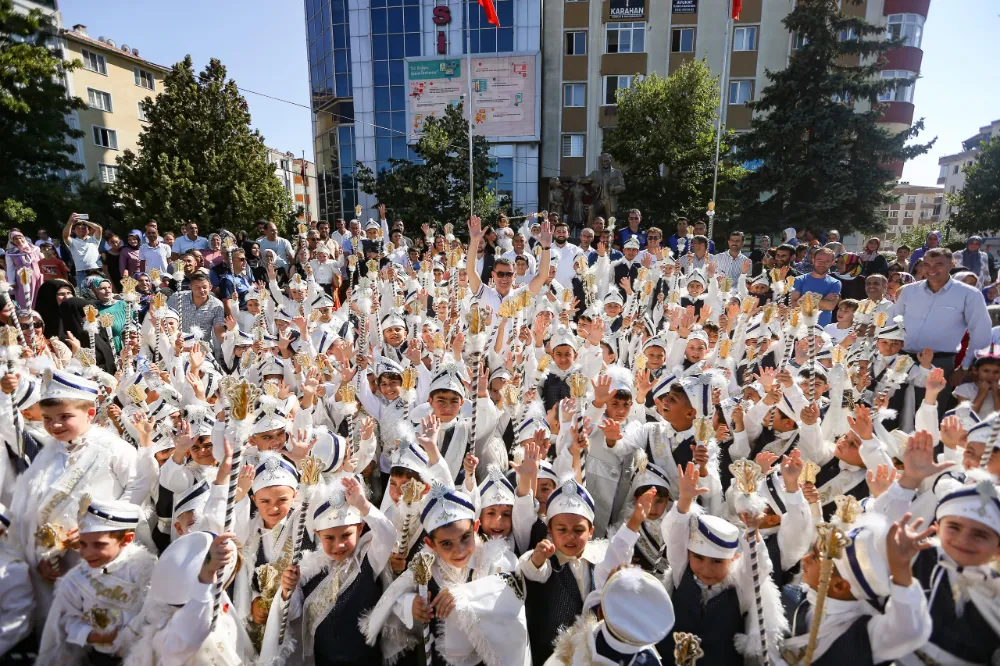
pixel 650 463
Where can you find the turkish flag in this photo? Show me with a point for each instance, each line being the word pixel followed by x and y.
pixel 491 12
pixel 737 6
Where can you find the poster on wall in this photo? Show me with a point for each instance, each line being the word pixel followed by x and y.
pixel 628 9
pixel 684 6
pixel 504 98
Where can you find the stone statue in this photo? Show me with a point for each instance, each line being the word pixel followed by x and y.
pixel 608 184
pixel 577 191
pixel 555 196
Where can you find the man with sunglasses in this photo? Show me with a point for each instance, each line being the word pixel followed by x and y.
pixel 503 269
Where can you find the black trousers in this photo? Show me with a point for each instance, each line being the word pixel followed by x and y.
pixel 945 361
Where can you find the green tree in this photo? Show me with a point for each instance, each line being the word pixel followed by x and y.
pixel 35 138
pixel 198 158
pixel 664 140
pixel 435 189
pixel 914 238
pixel 979 201
pixel 824 157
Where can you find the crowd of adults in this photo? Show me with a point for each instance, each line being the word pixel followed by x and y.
pixel 942 295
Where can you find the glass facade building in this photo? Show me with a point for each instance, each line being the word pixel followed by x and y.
pixel 357 62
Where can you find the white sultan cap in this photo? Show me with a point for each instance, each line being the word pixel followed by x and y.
pixel 495 490
pixel 175 576
pixel 62 385
pixel 893 330
pixel 648 473
pixel 979 503
pixel 109 516
pixel 637 610
pixel 699 390
pixel 563 336
pixel 330 448
pixel 983 431
pixel 621 379
pixel 570 497
pixel 712 536
pixel 334 511
pixel 448 378
pixel 273 470
pixel 193 499
pixel 269 416
pixel 444 506
pixel 863 563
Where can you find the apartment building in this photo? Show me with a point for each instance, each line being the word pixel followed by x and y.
pixel 594 48
pixel 298 177
pixel 113 79
pixel 915 205
pixel 952 175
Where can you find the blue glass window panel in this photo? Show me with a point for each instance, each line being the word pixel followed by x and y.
pixel 394 3
pixel 505 12
pixel 380 72
pixel 383 148
pixel 396 49
pixel 378 3
pixel 396 70
pixel 398 98
pixel 411 154
pixel 340 11
pixel 327 41
pixel 411 17
pixel 338 63
pixel 487 41
pixel 379 22
pixel 399 147
pixel 347 112
pixel 505 39
pixel 343 85
pixel 399 123
pixel 340 37
pixel 412 44
pixel 380 47
pixel 473 41
pixel 395 19
pixel 411 3
pixel 383 123
pixel 382 98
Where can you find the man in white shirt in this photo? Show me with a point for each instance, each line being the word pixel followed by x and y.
pixel 520 243
pixel 154 254
pixel 565 253
pixel 733 262
pixel 83 238
pixel 503 270
pixel 191 240
pixel 280 246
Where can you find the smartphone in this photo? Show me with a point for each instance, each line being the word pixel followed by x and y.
pixel 80 217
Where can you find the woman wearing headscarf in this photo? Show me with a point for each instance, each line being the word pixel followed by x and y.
pixel 974 260
pixel 852 282
pixel 788 237
pixel 932 241
pixel 896 281
pixel 213 255
pixel 75 335
pixel 23 271
pixel 128 260
pixel 33 330
pixel 255 261
pixel 50 295
pixel 106 303
pixel 872 262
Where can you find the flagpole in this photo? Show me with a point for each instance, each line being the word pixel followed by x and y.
pixel 468 54
pixel 723 94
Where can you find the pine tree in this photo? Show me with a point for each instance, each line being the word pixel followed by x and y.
pixel 979 201
pixel 35 139
pixel 436 189
pixel 825 160
pixel 664 141
pixel 198 159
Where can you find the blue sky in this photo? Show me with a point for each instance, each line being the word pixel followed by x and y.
pixel 262 44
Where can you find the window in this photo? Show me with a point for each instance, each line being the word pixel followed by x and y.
pixel 626 37
pixel 108 173
pixel 925 213
pixel 907 213
pixel 105 137
pixel 951 190
pixel 143 79
pixel 902 92
pixel 283 165
pixel 95 62
pixel 908 27
pixel 682 40
pixel 944 171
pixel 800 41
pixel 969 163
pixel 911 198
pixel 893 213
pixel 576 43
pixel 745 39
pixel 572 145
pixel 142 113
pixel 954 169
pixel 574 94
pixel 612 84
pixel 848 34
pixel 740 92
pixel 99 100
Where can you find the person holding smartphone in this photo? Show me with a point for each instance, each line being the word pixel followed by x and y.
pixel 83 238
